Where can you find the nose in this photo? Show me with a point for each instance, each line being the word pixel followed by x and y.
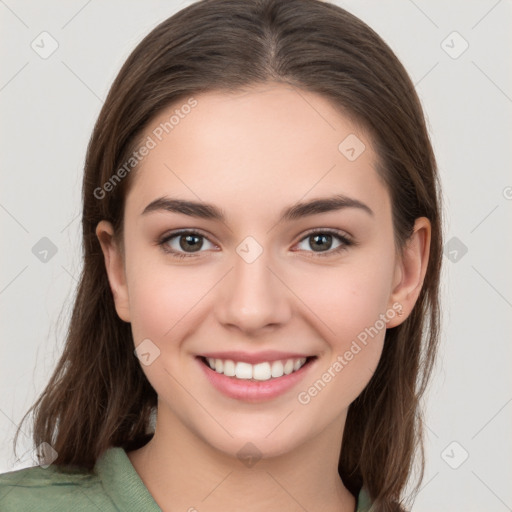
pixel 253 296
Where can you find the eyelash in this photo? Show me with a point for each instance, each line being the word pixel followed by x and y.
pixel 343 238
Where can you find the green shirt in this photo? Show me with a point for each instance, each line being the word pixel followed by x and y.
pixel 114 485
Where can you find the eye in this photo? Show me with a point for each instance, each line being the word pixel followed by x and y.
pixel 184 244
pixel 322 242
pixel 188 243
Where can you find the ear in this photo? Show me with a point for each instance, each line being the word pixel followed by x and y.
pixel 114 265
pixel 410 271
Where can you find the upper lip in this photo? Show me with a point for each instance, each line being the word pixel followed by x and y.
pixel 256 357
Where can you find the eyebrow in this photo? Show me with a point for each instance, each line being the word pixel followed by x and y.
pixel 211 212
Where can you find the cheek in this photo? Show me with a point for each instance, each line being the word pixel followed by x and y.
pixel 348 299
pixel 354 342
pixel 161 298
pixel 350 306
pixel 161 292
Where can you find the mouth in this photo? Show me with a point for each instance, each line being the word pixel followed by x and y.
pixel 258 381
pixel 260 372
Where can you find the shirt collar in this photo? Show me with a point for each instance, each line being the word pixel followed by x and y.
pixel 122 483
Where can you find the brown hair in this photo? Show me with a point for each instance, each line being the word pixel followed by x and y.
pixel 98 395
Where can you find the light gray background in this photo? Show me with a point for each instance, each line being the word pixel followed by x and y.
pixel 48 108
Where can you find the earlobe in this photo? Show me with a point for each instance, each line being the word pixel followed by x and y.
pixel 114 265
pixel 411 270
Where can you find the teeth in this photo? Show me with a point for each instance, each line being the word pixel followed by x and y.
pixel 260 371
pixel 288 366
pixel 277 369
pixel 229 368
pixel 242 370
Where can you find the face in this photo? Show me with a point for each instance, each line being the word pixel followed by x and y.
pixel 247 285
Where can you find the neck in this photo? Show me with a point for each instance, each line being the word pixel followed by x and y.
pixel 184 472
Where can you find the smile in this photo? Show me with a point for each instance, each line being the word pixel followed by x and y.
pixel 255 378
pixel 262 371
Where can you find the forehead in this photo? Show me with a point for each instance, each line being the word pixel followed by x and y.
pixel 272 143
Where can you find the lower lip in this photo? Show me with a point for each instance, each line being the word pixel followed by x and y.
pixel 250 390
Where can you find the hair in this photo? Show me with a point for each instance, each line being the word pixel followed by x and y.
pixel 98 395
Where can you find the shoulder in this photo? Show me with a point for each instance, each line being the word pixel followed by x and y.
pixel 113 485
pixel 45 489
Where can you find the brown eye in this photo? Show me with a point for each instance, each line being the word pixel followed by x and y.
pixel 190 243
pixel 184 243
pixel 321 242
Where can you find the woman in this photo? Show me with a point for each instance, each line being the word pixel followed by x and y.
pixel 238 139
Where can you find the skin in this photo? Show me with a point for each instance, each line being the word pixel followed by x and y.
pixel 252 154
